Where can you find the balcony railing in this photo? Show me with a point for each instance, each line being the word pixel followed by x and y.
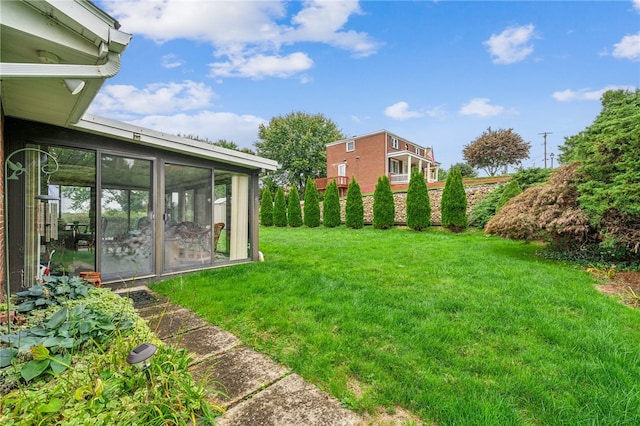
pixel 341 182
pixel 399 178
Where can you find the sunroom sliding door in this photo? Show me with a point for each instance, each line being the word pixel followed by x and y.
pixel 127 236
pixel 188 222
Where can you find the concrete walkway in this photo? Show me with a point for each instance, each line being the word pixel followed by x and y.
pixel 249 386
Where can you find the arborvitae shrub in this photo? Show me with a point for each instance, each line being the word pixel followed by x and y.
pixel 418 203
pixel 510 190
pixel 354 210
pixel 384 209
pixel 266 208
pixel 311 205
pixel 454 203
pixel 331 206
pixel 294 212
pixel 280 209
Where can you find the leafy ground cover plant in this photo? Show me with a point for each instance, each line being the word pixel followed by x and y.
pixel 456 328
pixel 91 383
pixel 54 290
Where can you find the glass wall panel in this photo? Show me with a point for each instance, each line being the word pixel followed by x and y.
pixel 188 224
pixel 60 213
pixel 126 224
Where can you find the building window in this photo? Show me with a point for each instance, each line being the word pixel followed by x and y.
pixel 351 146
pixel 342 169
pixel 394 167
pixel 417 150
pixel 394 143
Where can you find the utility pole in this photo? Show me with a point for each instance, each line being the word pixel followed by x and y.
pixel 545 146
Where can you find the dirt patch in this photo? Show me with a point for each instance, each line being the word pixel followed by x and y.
pixel 397 417
pixel 623 285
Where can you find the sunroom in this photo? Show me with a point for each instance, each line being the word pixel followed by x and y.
pixel 87 199
pixel 83 193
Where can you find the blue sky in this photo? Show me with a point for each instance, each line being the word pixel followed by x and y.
pixel 438 73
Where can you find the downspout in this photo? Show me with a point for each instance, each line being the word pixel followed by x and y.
pixel 106 70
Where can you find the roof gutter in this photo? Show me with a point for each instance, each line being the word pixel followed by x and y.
pixel 30 70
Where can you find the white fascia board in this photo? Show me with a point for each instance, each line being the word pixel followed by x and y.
pixel 142 136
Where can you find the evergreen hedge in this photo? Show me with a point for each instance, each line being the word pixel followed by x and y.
pixel 311 205
pixel 294 212
pixel 384 209
pixel 280 209
pixel 266 208
pixel 454 202
pixel 418 203
pixel 331 205
pixel 354 210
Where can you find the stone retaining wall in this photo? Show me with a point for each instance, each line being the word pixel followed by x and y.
pixel 475 194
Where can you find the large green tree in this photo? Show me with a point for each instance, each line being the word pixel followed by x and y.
pixel 297 142
pixel 418 203
pixel 609 174
pixel 496 149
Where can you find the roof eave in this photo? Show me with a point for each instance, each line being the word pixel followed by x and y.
pixel 143 136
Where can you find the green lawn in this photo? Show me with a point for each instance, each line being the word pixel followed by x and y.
pixel 458 329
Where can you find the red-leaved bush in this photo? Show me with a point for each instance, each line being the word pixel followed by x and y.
pixel 548 212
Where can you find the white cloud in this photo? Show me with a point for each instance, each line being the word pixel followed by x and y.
pixel 247 34
pixel 216 22
pixel 159 98
pixel 636 5
pixel 436 112
pixel 511 45
pixel 481 108
pixel 241 129
pixel 586 94
pixel 171 61
pixel 628 48
pixel 400 111
pixel 260 66
pixel 323 22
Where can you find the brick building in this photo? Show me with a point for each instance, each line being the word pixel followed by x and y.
pixel 369 156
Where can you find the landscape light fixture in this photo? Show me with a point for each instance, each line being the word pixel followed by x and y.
pixel 17 169
pixel 74 86
pixel 141 355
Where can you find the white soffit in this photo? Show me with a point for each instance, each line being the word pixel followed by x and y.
pixel 142 136
pixel 46 42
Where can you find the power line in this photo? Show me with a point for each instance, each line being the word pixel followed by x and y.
pixel 545 146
